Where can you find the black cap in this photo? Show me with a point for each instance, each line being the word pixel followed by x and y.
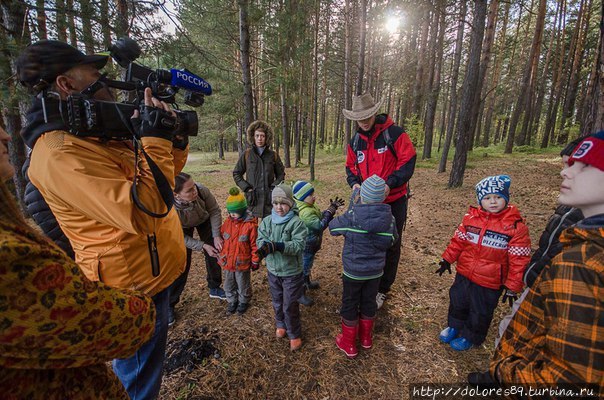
pixel 41 62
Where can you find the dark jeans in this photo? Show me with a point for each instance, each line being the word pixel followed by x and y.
pixel 358 297
pixel 471 308
pixel 214 273
pixel 285 292
pixel 141 373
pixel 393 255
pixel 308 259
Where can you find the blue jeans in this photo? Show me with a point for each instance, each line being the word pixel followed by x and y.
pixel 308 260
pixel 141 374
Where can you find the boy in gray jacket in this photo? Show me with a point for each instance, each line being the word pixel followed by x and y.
pixel 369 230
pixel 281 240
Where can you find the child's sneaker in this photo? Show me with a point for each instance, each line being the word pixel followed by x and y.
pixel 232 307
pixel 280 333
pixel 217 293
pixel 242 308
pixel 460 344
pixel 380 299
pixel 295 344
pixel 448 334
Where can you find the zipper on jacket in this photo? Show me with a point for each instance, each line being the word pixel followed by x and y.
pixel 152 243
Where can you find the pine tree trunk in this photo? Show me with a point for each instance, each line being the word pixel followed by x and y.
pixel 594 117
pixel 524 97
pixel 347 57
pixel 362 39
pixel 12 17
pixel 41 20
pixel 442 166
pixel 87 15
pixel 438 47
pixel 244 53
pixel 61 21
pixel 121 18
pixel 468 95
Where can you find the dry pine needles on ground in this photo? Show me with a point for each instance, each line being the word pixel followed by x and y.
pixel 245 361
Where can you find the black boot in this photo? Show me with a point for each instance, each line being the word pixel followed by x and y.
pixel 309 284
pixel 304 299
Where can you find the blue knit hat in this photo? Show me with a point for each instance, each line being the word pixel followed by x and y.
pixel 302 190
pixel 373 190
pixel 499 185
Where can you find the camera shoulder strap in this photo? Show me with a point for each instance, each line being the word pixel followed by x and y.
pixel 162 183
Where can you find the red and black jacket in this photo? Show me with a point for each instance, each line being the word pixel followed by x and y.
pixel 491 250
pixel 374 157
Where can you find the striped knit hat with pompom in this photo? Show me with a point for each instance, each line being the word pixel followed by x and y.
pixel 236 202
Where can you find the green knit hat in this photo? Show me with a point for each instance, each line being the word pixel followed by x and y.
pixel 236 202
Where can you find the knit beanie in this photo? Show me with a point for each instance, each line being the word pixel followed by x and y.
pixel 236 202
pixel 373 190
pixel 590 151
pixel 302 190
pixel 282 193
pixel 498 184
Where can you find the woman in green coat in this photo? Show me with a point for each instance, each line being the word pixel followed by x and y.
pixel 262 168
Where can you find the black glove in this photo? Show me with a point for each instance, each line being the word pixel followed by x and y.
pixel 444 266
pixel 154 122
pixel 254 266
pixel 269 247
pixel 334 204
pixel 180 144
pixel 509 295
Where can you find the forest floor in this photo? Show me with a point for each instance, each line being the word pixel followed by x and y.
pixel 238 357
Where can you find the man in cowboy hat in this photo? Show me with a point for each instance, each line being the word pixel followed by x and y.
pixel 382 148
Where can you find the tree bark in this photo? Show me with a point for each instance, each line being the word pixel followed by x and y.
pixel 594 117
pixel 244 54
pixel 41 20
pixel 438 47
pixel 468 95
pixel 442 166
pixel 528 81
pixel 12 17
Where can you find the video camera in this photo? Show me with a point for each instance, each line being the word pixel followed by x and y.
pixel 90 117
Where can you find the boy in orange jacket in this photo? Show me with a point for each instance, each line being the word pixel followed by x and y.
pixel 492 248
pixel 238 255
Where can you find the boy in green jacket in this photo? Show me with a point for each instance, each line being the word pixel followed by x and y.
pixel 281 240
pixel 316 222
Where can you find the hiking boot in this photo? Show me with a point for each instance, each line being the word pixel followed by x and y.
pixel 242 308
pixel 346 341
pixel 306 301
pixel 310 284
pixel 380 299
pixel 448 334
pixel 295 344
pixel 217 293
pixel 280 333
pixel 171 317
pixel 232 307
pixel 461 344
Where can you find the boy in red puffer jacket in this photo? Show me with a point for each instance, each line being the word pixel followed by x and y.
pixel 492 248
pixel 238 256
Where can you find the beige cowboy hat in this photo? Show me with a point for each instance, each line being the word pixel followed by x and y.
pixel 363 107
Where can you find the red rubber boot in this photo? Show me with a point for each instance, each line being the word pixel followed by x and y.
pixel 366 332
pixel 346 341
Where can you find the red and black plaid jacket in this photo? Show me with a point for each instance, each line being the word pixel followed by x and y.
pixel 557 336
